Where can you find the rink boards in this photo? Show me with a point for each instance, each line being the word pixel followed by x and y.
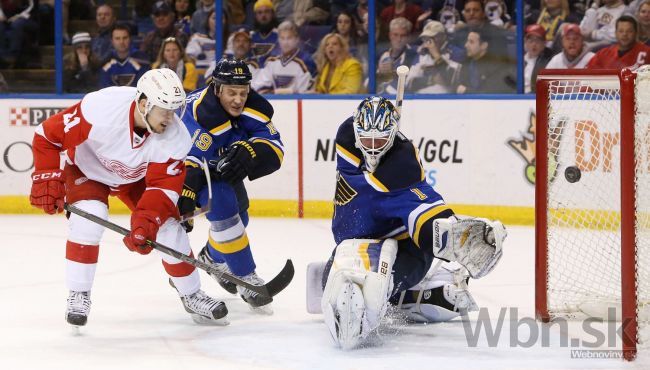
pixel 479 154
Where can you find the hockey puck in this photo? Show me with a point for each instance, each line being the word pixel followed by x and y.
pixel 572 174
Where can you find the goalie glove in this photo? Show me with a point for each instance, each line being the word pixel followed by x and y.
pixel 475 243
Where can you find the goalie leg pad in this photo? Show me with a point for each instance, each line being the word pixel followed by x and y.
pixel 356 294
pixel 475 243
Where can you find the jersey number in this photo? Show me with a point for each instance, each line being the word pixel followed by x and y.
pixel 204 141
pixel 173 170
pixel 70 120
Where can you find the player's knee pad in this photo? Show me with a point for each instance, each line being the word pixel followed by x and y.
pixel 356 294
pixel 84 231
pixel 172 235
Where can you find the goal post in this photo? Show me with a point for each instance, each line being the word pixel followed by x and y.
pixel 592 197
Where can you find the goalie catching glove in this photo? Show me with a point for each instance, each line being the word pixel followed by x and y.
pixel 475 243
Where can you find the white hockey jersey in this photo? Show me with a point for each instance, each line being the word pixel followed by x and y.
pixel 97 135
pixel 600 24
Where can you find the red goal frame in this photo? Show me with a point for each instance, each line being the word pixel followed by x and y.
pixel 628 193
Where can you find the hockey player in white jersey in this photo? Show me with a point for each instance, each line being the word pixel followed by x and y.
pixel 390 226
pixel 124 142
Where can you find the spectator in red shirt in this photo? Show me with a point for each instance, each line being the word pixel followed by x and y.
pixel 400 8
pixel 627 52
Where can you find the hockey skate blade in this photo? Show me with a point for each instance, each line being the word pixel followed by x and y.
pixel 75 330
pixel 266 310
pixel 202 320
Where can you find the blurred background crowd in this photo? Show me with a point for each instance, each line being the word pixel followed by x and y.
pixel 319 46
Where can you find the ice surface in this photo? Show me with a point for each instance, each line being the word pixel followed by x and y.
pixel 137 320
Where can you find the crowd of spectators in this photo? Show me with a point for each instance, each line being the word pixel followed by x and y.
pixel 321 46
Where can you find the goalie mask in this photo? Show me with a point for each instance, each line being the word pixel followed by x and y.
pixel 163 89
pixel 375 127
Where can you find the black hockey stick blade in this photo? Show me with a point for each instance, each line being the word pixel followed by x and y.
pixel 260 289
pixel 282 280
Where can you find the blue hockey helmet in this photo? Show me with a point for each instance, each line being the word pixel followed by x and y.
pixel 231 71
pixel 375 126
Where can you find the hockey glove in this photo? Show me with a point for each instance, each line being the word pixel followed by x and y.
pixel 144 226
pixel 236 163
pixel 187 204
pixel 48 190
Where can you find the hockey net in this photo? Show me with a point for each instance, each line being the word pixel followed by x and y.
pixel 592 214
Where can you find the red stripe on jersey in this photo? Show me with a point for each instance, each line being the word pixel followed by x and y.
pixel 67 128
pixel 179 269
pixel 81 253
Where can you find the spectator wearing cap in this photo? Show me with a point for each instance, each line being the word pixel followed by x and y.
pixel 643 17
pixel 101 42
pixel 265 34
pixel 628 52
pixel 400 9
pixel 399 53
pixel 537 55
pixel 338 71
pixel 201 46
pixel 598 25
pixel 163 19
pixel 184 10
pixel 126 66
pixel 172 56
pixel 574 54
pixel 480 73
pixel 553 14
pixel 80 66
pixel 437 68
pixel 200 16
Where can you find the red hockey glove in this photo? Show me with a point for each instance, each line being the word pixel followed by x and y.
pixel 48 190
pixel 144 226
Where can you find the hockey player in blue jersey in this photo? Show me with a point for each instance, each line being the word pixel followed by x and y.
pixel 232 129
pixel 389 226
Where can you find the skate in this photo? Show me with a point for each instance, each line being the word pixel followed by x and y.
pixel 227 285
pixel 204 309
pixel 257 302
pixel 78 308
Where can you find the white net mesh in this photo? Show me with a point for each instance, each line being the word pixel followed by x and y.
pixel 583 197
pixel 583 215
pixel 642 201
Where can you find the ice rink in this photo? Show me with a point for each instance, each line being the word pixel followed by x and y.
pixel 138 322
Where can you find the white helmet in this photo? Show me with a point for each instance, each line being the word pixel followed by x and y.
pixel 163 89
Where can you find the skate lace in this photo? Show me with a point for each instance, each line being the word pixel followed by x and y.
pixel 79 303
pixel 252 279
pixel 201 303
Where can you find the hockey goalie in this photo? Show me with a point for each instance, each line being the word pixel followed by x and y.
pixel 398 243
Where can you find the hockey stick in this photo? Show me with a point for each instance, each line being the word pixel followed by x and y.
pixel 270 289
pixel 206 208
pixel 402 72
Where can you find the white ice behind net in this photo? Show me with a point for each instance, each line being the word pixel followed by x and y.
pixel 583 216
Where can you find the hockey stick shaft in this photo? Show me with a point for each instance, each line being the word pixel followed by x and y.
pixel 402 72
pixel 260 289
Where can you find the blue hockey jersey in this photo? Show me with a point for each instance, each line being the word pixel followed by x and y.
pixel 393 201
pixel 212 130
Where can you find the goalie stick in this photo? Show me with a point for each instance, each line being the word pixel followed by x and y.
pixel 270 289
